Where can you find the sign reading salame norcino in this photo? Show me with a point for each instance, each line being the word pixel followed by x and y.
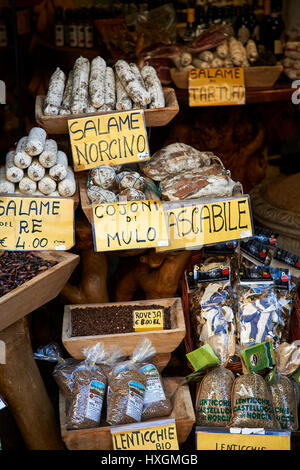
pixel 108 139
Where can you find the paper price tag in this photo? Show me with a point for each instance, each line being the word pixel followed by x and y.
pixel 128 225
pixel 208 439
pixel 155 435
pixel 148 320
pixel 28 223
pixel 195 224
pixel 109 139
pixel 217 87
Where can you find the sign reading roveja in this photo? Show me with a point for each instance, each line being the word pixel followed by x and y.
pixel 110 139
pixel 36 223
pixel 193 224
pixel 148 320
pixel 217 87
pixel 128 225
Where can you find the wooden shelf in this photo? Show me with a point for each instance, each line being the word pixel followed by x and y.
pixel 280 92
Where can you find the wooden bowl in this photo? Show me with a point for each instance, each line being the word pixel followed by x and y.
pixel 164 341
pixel 153 117
pixel 38 290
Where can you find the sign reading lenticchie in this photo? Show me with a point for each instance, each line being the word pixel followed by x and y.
pixel 155 435
pixel 43 223
pixel 217 87
pixel 109 139
pixel 242 439
pixel 129 225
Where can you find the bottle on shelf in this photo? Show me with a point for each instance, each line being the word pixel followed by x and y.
pixel 190 29
pixel 89 30
pixel 79 16
pixel 243 25
pixel 59 30
pixel 277 26
pixel 72 29
pixel 266 43
pixel 200 18
pixel 3 30
pixel 254 26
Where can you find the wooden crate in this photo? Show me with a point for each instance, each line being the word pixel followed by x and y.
pixel 164 341
pixel 38 290
pixel 153 117
pixel 100 438
pixel 255 77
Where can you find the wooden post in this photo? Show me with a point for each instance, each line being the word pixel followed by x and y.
pixel 23 388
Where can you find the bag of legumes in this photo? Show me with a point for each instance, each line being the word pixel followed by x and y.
pixel 89 390
pixel 135 388
pixel 63 372
pixel 283 390
pixel 251 403
pixel 213 399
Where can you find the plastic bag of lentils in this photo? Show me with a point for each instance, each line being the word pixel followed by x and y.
pixel 88 391
pixel 213 399
pixel 251 403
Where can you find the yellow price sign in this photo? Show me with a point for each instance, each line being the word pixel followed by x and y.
pixel 109 139
pixel 157 435
pixel 148 320
pixel 232 441
pixel 195 224
pixel 28 223
pixel 129 225
pixel 217 87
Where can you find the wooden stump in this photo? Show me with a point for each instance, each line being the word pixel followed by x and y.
pixel 22 387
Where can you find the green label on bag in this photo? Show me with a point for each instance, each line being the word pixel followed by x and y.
pixel 203 358
pixel 259 357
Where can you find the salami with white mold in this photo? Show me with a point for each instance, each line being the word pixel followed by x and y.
pixel 13 173
pixel 66 101
pixel 6 187
pixel 67 187
pixel 35 141
pixel 27 186
pixel 97 82
pixel 153 86
pixel 36 171
pixel 79 100
pixel 123 101
pixel 110 89
pixel 22 159
pixel 59 171
pixel 55 93
pixel 137 93
pixel 47 185
pixel 48 156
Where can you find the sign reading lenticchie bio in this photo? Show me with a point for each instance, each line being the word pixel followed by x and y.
pixel 154 435
pixel 217 87
pixel 109 139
